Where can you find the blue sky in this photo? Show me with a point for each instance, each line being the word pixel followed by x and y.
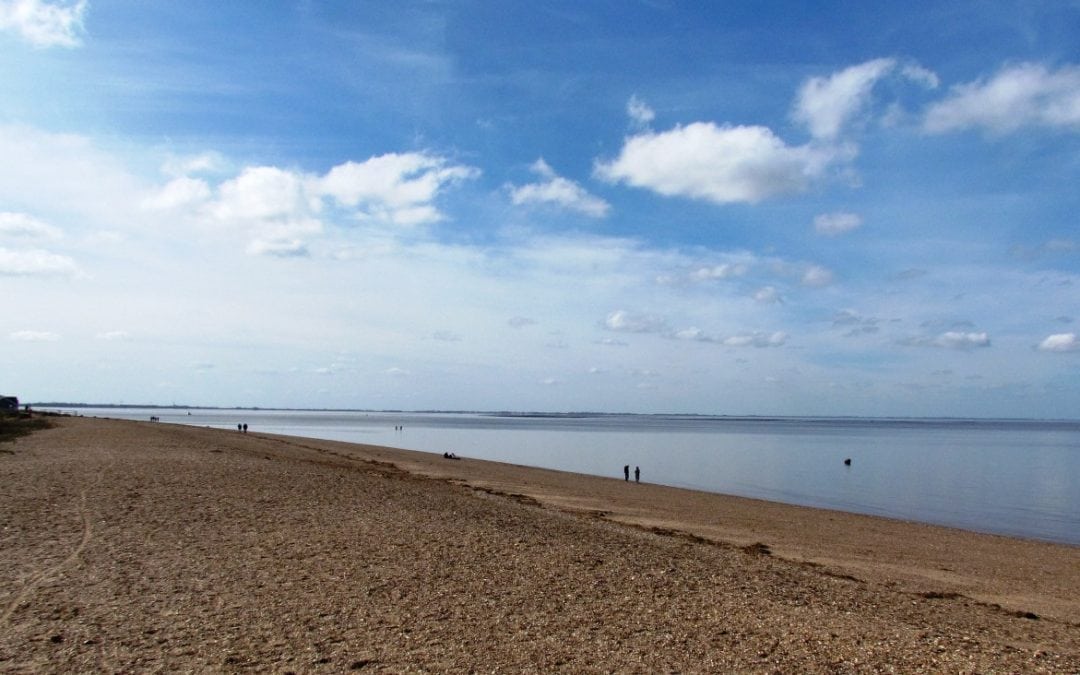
pixel 729 208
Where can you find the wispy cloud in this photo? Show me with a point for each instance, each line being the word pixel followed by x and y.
pixel 1021 95
pixel 958 340
pixel 837 223
pixel 23 226
pixel 34 336
pixel 826 104
pixel 555 190
pixel 35 262
pixel 639 112
pixel 44 24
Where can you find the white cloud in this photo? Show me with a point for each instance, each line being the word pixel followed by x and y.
pixel 112 335
pixel 33 336
pixel 816 276
pixel 1026 94
pixel 639 111
pixel 833 224
pixel 35 263
pixel 25 226
pixel 279 248
pixel 760 340
pixel 555 189
pixel 722 271
pixel 206 162
pixel 67 173
pixel 262 193
pixel 960 340
pixel 1061 342
pixel 920 75
pixel 826 104
pixel 628 322
pixel 767 295
pixel 395 188
pixel 722 164
pixel 756 339
pixel 952 340
pixel 179 193
pixel 44 24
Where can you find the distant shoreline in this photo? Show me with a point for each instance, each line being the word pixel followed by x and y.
pixel 853 419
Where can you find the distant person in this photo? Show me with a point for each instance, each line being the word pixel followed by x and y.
pixel 240 428
pixel 245 427
pixel 626 472
pixel 637 474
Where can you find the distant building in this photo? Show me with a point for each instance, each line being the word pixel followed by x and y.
pixel 9 404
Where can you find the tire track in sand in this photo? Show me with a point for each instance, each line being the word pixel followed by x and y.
pixel 43 575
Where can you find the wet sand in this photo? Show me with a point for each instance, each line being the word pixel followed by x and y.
pixel 128 546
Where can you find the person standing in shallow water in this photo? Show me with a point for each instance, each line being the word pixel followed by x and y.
pixel 637 474
pixel 626 472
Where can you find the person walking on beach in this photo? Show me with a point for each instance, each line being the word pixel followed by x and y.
pixel 626 473
pixel 637 474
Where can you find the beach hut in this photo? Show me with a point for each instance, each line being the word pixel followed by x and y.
pixel 9 404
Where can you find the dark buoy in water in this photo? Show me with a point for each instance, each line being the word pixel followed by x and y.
pixel 847 462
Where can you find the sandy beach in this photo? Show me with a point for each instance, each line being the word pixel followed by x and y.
pixel 130 546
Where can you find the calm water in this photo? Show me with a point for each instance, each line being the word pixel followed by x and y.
pixel 1013 477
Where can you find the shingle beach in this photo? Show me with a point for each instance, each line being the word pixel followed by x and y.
pixel 139 547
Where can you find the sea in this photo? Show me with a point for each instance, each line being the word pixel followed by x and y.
pixel 1013 477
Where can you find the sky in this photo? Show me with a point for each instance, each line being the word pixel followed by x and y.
pixel 738 208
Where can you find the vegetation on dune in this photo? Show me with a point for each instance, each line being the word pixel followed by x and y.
pixel 20 424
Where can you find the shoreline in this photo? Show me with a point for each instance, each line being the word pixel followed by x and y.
pixel 1014 519
pixel 131 545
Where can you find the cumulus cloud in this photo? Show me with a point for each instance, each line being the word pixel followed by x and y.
pixel 720 164
pixel 833 224
pixel 1026 94
pixel 640 113
pixel 1061 342
pixel 280 208
pixel 35 262
pixel 44 24
pixel 396 188
pixel 263 193
pixel 558 191
pixel 21 225
pixel 629 322
pixel 826 104
pixel 33 336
